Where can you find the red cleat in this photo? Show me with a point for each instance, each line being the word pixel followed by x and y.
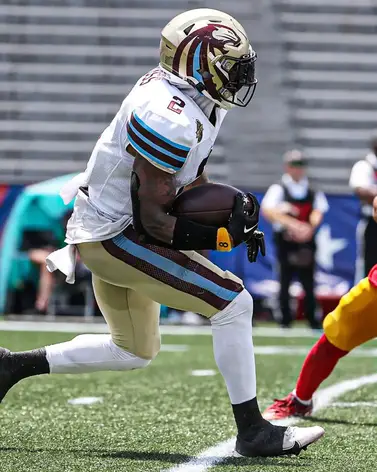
pixel 288 406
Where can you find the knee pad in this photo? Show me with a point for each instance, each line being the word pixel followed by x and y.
pixel 242 305
pixel 129 358
pixel 143 350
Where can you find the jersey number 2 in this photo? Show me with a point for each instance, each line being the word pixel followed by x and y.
pixel 176 105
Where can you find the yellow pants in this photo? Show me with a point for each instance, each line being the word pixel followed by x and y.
pixel 354 320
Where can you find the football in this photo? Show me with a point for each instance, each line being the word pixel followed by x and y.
pixel 209 204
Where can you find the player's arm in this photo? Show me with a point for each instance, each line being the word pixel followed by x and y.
pixel 157 158
pixel 153 191
pixel 202 179
pixel 155 194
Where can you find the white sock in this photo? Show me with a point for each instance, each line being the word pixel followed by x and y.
pixel 304 402
pixel 233 348
pixel 91 353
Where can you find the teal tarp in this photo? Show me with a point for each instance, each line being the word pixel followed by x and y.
pixel 39 207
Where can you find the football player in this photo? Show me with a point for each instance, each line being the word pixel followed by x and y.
pixel 139 254
pixel 352 323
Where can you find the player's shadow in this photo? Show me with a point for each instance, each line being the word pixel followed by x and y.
pixel 316 419
pixel 267 461
pixel 182 458
pixel 172 458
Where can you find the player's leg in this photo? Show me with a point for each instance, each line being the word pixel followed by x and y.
pixel 306 277
pixel 134 338
pixel 370 246
pixel 187 281
pixel 134 341
pixel 352 323
pixel 318 365
pixel 46 278
pixel 286 272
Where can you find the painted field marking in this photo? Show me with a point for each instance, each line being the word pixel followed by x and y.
pixel 85 400
pixel 174 347
pixel 100 327
pixel 303 350
pixel 354 404
pixel 203 372
pixel 324 397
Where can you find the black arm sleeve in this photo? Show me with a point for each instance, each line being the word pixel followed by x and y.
pixel 189 235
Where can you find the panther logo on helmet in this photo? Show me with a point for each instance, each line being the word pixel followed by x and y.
pixel 227 37
pixel 204 45
pixel 210 50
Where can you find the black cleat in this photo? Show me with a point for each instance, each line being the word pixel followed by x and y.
pixel 7 376
pixel 269 440
pixel 15 366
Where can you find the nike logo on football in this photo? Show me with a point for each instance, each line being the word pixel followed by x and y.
pixel 247 230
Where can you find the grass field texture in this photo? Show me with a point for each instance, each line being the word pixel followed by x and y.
pixel 157 418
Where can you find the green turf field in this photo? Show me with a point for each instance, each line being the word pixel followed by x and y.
pixel 160 417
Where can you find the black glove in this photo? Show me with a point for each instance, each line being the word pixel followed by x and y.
pixel 254 245
pixel 244 218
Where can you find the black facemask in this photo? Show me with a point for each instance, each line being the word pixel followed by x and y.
pixel 242 81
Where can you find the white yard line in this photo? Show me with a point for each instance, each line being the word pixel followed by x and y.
pixel 303 350
pixel 216 454
pixel 85 327
pixel 354 404
pixel 90 327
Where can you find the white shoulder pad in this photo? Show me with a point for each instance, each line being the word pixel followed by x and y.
pixel 162 139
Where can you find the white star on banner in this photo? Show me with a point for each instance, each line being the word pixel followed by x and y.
pixel 327 247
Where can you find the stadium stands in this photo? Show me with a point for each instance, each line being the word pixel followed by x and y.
pixel 65 69
pixel 331 77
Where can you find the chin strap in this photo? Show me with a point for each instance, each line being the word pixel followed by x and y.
pixel 199 86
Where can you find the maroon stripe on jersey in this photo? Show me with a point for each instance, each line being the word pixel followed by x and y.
pixel 159 142
pixel 149 149
pixel 164 277
pixel 184 261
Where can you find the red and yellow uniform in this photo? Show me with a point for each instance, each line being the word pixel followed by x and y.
pixel 354 320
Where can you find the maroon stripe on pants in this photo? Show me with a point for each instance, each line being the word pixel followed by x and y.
pixel 163 276
pixel 184 261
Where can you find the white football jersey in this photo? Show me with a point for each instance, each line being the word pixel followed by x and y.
pixel 165 126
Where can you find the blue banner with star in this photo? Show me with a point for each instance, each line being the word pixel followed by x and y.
pixel 336 253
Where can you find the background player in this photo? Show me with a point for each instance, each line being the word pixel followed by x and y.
pixel 352 323
pixel 141 256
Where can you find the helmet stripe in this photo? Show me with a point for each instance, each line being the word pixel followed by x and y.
pixel 190 55
pixel 208 82
pixel 179 51
pixel 196 63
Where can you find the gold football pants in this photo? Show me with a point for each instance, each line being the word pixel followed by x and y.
pixel 131 279
pixel 354 320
